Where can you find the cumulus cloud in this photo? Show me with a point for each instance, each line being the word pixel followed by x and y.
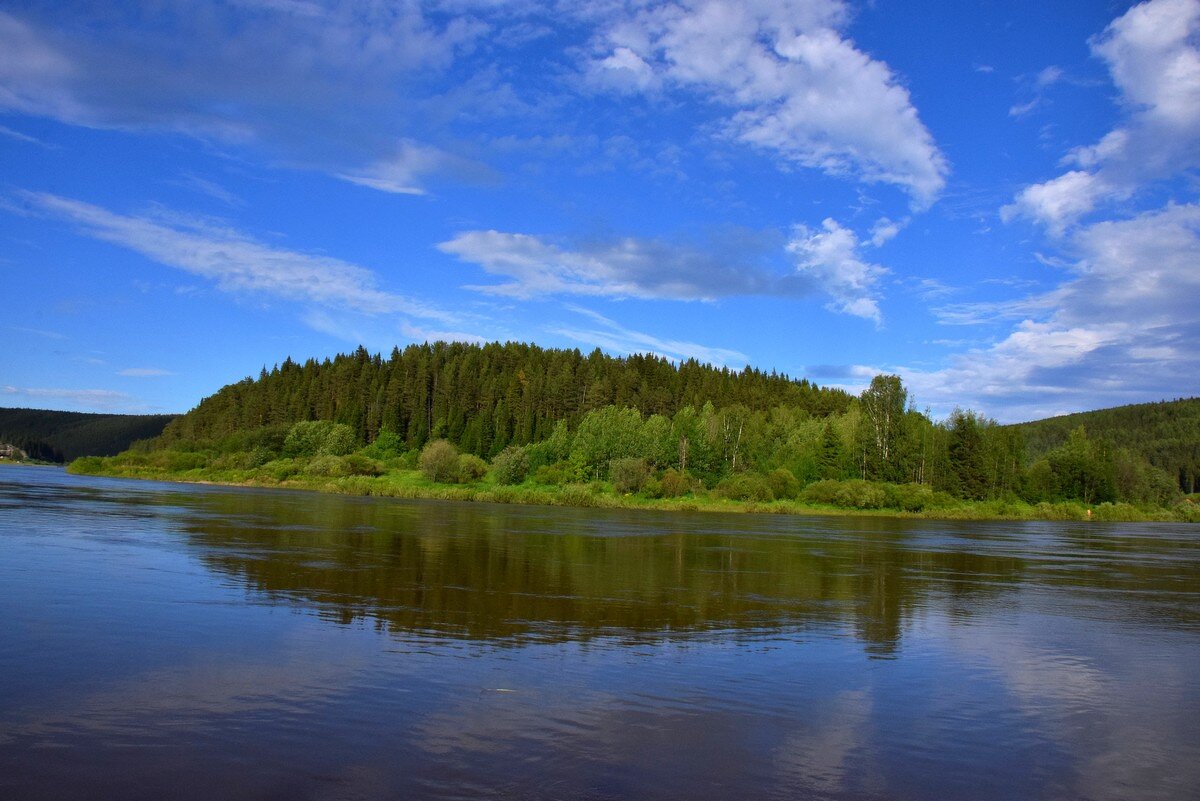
pixel 234 261
pixel 829 258
pixel 1119 331
pixel 795 85
pixel 1153 56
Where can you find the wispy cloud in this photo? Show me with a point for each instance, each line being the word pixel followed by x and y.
pixel 211 188
pixel 20 137
pixel 616 338
pixel 83 399
pixel 236 262
pixel 796 85
pixel 38 332
pixel 629 267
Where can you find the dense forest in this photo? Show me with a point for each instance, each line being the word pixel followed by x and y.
pixel 1165 434
pixel 51 436
pixel 514 414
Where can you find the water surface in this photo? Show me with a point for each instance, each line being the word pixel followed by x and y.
pixel 171 641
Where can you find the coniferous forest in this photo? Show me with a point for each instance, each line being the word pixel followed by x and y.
pixel 52 436
pixel 518 422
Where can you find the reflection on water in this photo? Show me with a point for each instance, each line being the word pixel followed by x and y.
pixel 201 642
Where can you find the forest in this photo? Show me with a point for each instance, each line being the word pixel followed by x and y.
pixel 557 421
pixel 52 436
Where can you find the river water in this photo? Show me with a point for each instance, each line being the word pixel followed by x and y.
pixel 172 641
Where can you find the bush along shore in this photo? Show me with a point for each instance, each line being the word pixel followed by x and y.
pixel 322 457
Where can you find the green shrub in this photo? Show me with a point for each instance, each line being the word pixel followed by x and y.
pixel 511 465
pixel 914 497
pixel 387 445
pixel 783 484
pixel 745 487
pixel 327 466
pixel 471 468
pixel 356 464
pixel 86 466
pixel 319 438
pixel 439 462
pixel 674 483
pixel 849 494
pixel 177 462
pixel 554 475
pixel 628 474
pixel 280 469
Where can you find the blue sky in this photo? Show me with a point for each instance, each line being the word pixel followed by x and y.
pixel 998 201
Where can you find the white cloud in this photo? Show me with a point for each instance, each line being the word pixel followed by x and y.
pixel 313 84
pixel 829 257
pixel 1119 331
pixel 206 187
pixel 20 137
pixel 402 172
pixel 235 262
pixel 796 86
pixel 1153 55
pixel 86 399
pixel 1058 202
pixel 616 338
pixel 885 230
pixel 628 267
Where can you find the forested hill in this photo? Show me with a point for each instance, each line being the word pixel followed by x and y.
pixel 1166 434
pixel 54 436
pixel 482 397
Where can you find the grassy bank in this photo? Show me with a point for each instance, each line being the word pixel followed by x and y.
pixel 841 498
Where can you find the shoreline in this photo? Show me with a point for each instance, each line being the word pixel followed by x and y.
pixel 406 485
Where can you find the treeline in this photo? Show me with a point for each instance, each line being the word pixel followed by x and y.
pixel 512 414
pixel 1164 434
pixel 483 397
pixel 52 436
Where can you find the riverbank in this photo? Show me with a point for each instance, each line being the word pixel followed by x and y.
pixel 412 484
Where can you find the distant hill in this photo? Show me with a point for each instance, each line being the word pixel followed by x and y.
pixel 62 436
pixel 1166 434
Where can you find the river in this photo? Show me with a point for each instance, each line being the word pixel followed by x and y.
pixel 191 642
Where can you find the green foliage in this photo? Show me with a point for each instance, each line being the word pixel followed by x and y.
pixel 1081 469
pixel 629 474
pixel 439 462
pixel 966 457
pixel 674 484
pixel 849 494
pixel 1162 434
pixel 387 445
pixel 554 475
pixel 782 483
pixel 86 466
pixel 882 428
pixel 604 435
pixel 511 465
pixel 319 438
pixel 745 487
pixel 471 468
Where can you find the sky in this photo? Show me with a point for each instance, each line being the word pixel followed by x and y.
pixel 997 201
